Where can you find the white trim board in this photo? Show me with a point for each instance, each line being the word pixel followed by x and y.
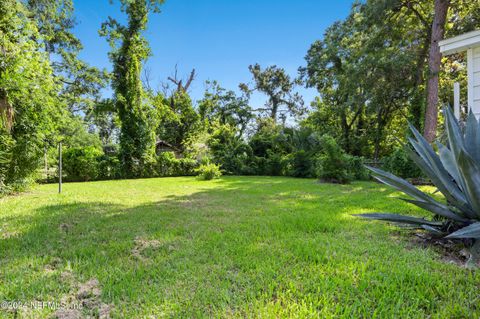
pixel 460 43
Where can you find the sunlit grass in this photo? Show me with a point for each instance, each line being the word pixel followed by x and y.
pixel 234 247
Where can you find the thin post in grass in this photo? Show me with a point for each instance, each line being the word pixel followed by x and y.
pixel 59 167
pixel 456 99
pixel 45 158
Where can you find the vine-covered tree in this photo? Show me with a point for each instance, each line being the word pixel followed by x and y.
pixel 129 51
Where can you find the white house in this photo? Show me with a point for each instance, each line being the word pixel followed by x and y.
pixel 469 42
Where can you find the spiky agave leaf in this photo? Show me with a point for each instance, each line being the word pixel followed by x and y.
pixel 450 163
pixel 431 164
pixel 472 137
pixel 468 169
pixel 421 199
pixel 471 231
pixel 401 219
pixel 470 173
pixel 455 171
pixel 454 133
pixel 461 203
pixel 400 184
pixel 434 230
pixel 440 210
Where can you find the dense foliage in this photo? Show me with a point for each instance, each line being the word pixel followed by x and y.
pixel 81 163
pixel 371 71
pixel 129 51
pixel 29 103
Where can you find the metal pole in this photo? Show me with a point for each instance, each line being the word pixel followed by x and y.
pixel 59 167
pixel 46 162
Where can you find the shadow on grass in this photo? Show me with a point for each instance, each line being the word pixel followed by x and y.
pixel 205 251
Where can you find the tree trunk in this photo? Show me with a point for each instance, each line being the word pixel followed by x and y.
pixel 417 106
pixel 346 132
pixel 434 61
pixel 6 111
pixel 273 112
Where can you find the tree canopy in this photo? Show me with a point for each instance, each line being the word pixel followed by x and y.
pixel 374 71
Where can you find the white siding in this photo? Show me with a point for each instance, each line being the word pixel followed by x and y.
pixel 474 81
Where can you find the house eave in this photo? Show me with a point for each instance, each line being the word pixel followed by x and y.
pixel 460 43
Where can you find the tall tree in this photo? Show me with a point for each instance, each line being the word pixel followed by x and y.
pixel 178 120
pixel 29 105
pixel 129 51
pixel 279 88
pixel 224 106
pixel 364 74
pixel 434 63
pixel 81 83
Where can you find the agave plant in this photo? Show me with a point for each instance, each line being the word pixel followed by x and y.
pixel 455 170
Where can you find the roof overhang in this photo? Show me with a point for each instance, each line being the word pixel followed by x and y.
pixel 460 43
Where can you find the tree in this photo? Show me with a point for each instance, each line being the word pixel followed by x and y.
pixel 364 74
pixel 81 83
pixel 372 70
pixel 226 107
pixel 427 22
pixel 277 85
pixel 434 63
pixel 229 150
pixel 179 86
pixel 129 51
pixel 104 121
pixel 178 120
pixel 29 105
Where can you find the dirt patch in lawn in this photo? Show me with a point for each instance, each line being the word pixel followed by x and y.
pixel 142 244
pixel 452 252
pixel 85 302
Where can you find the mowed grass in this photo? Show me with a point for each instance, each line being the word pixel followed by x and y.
pixel 234 247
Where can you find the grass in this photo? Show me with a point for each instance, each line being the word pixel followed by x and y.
pixel 233 247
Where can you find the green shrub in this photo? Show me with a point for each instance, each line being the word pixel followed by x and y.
pixel 300 164
pixel 332 163
pixel 229 150
pixel 109 167
pixel 400 164
pixel 356 168
pixel 6 145
pixel 186 166
pixel 81 163
pixel 274 164
pixel 208 171
pixel 167 164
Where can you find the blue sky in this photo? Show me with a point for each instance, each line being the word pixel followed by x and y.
pixel 219 38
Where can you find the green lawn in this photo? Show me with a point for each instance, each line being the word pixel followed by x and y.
pixel 234 247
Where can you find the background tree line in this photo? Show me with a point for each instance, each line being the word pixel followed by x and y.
pixel 374 71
